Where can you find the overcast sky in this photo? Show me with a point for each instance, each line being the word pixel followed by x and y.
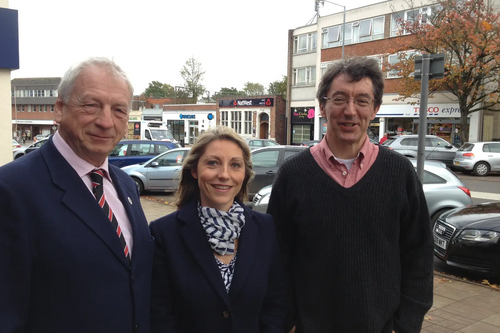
pixel 235 41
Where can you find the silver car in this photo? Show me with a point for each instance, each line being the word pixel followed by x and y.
pixel 436 148
pixel 442 189
pixel 478 157
pixel 161 173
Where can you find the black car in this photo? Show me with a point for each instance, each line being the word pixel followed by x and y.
pixel 468 238
pixel 266 162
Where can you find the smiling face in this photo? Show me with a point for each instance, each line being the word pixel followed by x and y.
pixel 347 124
pixel 220 173
pixel 95 118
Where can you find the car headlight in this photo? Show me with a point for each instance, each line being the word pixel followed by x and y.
pixel 483 236
pixel 264 200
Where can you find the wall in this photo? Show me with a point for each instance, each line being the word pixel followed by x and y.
pixel 5 111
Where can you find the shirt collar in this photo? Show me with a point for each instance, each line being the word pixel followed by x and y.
pixel 325 151
pixel 81 166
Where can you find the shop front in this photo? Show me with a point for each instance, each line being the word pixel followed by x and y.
pixel 186 126
pixel 302 124
pixel 443 120
pixel 27 129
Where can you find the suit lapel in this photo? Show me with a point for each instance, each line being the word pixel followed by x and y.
pixel 80 200
pixel 195 240
pixel 246 255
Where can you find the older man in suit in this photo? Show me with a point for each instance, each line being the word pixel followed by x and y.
pixel 75 249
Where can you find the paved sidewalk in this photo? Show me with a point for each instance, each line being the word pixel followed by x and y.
pixel 459 306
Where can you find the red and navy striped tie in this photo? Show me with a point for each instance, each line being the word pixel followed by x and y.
pixel 97 176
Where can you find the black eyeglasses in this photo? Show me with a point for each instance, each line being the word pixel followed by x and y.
pixel 343 101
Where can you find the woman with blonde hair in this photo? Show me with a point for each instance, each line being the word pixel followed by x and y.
pixel 216 266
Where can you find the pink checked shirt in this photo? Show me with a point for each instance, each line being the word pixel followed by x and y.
pixel 337 170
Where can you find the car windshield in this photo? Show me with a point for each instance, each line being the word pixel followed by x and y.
pixel 160 134
pixel 466 147
pixel 388 142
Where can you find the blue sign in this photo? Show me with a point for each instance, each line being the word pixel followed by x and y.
pixel 187 116
pixel 9 39
pixel 210 116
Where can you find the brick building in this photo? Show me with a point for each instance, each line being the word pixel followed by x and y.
pixel 33 101
pixel 369 31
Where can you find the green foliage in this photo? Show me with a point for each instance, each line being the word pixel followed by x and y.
pixel 254 89
pixel 278 87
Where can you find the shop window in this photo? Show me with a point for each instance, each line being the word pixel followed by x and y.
pixel 301 133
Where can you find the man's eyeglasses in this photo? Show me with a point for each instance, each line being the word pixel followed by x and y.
pixel 343 101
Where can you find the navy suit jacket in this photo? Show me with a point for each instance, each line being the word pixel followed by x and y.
pixel 188 293
pixel 62 264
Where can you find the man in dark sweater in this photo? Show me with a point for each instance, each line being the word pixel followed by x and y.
pixel 352 219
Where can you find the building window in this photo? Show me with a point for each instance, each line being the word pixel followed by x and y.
pixel 304 43
pixel 248 122
pixel 18 108
pixel 399 19
pixel 40 93
pixel 34 108
pixel 45 108
pixel 236 121
pixel 305 76
pixel 223 118
pixel 355 32
pixel 41 108
pixel 393 59
pixel 31 93
pixel 22 108
pixel 52 108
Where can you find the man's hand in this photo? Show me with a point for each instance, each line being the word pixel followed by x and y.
pixel 293 330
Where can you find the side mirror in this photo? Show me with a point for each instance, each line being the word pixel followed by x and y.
pixel 154 164
pixel 449 146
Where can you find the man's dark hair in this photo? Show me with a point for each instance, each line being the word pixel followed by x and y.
pixel 354 70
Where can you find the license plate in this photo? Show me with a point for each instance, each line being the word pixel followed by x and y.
pixel 440 242
pixel 457 163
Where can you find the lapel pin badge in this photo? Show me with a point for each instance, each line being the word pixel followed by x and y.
pixel 129 200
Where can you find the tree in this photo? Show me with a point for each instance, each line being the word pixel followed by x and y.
pixel 468 33
pixel 253 89
pixel 227 92
pixel 193 75
pixel 157 89
pixel 278 87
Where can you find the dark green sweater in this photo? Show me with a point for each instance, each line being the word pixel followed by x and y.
pixel 360 259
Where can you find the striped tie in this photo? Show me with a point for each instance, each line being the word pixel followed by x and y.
pixel 97 179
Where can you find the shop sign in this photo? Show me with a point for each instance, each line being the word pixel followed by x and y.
pixel 413 111
pixel 187 116
pixel 246 102
pixel 303 115
pixel 33 122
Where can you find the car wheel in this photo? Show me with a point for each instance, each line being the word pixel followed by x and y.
pixel 436 215
pixel 481 169
pixel 138 183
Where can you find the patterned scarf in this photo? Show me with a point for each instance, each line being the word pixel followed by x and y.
pixel 222 228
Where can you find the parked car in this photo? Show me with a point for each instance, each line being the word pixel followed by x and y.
pixel 442 189
pixel 259 143
pixel 129 152
pixel 15 144
pixel 436 148
pixel 159 173
pixel 478 157
pixel 468 238
pixel 310 143
pixel 266 162
pixel 20 152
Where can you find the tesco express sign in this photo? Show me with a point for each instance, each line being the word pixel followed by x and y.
pixel 411 111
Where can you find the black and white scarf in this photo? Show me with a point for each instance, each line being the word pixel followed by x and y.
pixel 222 228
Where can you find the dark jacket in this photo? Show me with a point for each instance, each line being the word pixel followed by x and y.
pixel 188 294
pixel 63 267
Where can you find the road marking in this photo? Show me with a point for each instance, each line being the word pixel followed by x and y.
pixel 485 195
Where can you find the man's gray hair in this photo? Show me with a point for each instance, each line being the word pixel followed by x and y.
pixel 68 81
